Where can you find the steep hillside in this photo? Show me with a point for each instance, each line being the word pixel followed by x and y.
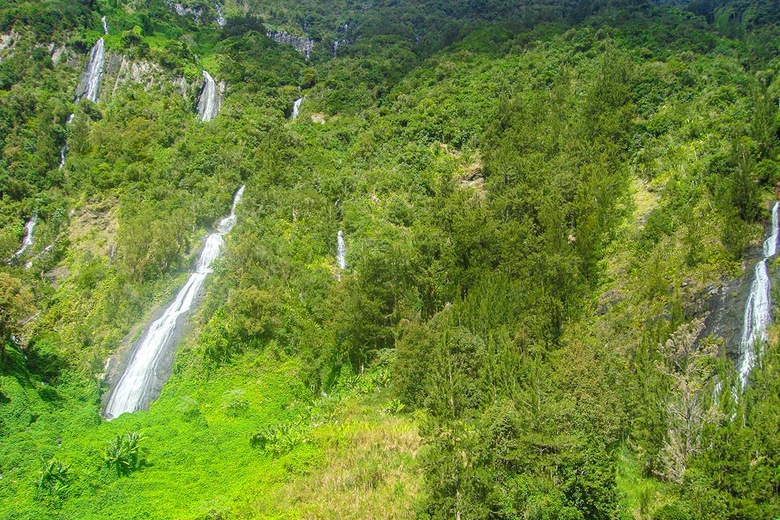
pixel 491 261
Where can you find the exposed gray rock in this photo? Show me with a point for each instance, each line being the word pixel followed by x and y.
pixel 301 44
pixel 182 10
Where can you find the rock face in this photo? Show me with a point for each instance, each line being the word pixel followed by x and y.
pixel 7 43
pixel 195 12
pixel 200 13
pixel 121 70
pixel 300 43
pixel 724 309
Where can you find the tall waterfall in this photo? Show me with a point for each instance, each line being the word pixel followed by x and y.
pixel 341 251
pixel 296 108
pixel 144 373
pixel 105 25
pixel 90 81
pixel 27 242
pixel 757 308
pixel 209 100
pixel 94 73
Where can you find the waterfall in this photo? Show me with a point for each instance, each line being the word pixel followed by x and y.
pixel 63 151
pixel 770 244
pixel 209 100
pixel 757 308
pixel 336 45
pixel 341 251
pixel 94 73
pixel 27 242
pixel 220 15
pixel 64 147
pixel 105 25
pixel 143 374
pixel 296 108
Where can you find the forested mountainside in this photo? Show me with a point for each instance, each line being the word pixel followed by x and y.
pixel 484 259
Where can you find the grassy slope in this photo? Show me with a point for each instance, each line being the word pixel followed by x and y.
pixel 348 458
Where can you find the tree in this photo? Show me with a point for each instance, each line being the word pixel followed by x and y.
pixel 689 365
pixel 16 303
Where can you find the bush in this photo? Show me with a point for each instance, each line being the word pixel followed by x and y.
pixel 53 480
pixel 123 453
pixel 278 440
pixel 671 511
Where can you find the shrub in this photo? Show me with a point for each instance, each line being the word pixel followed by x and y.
pixel 123 453
pixel 671 511
pixel 53 479
pixel 279 439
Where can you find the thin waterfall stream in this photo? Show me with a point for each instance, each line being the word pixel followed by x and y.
pixel 220 15
pixel 145 372
pixel 341 251
pixel 63 153
pixel 758 309
pixel 27 242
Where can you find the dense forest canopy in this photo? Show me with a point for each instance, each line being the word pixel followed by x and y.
pixel 492 259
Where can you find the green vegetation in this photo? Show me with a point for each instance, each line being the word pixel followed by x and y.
pixel 538 204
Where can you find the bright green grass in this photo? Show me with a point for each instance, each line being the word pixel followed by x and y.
pixel 195 443
pixel 640 495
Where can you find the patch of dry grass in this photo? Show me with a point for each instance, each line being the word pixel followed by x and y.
pixel 370 470
pixel 93 228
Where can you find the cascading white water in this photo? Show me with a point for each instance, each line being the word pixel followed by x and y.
pixel 94 72
pixel 209 100
pixel 770 244
pixel 341 251
pixel 755 321
pixel 64 147
pixel 63 151
pixel 27 242
pixel 220 15
pixel 105 25
pixel 757 308
pixel 137 384
pixel 296 108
